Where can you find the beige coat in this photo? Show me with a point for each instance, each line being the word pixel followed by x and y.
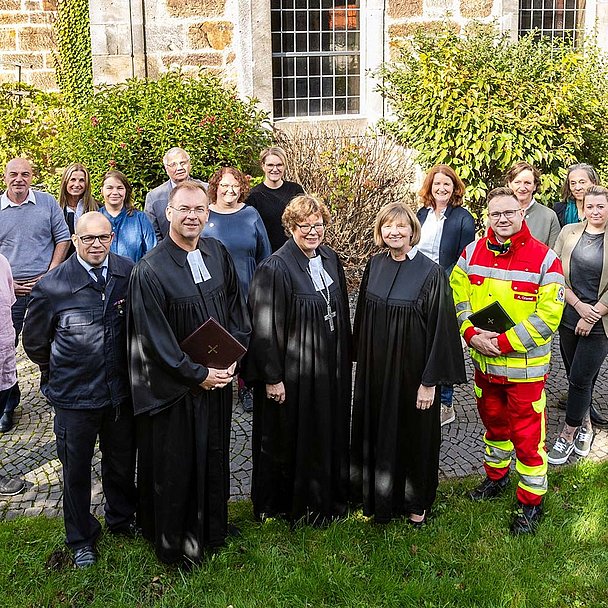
pixel 566 242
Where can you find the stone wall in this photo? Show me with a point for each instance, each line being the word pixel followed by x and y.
pixel 26 39
pixel 145 38
pixel 407 16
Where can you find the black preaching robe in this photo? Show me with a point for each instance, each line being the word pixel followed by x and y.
pixel 183 431
pixel 270 204
pixel 300 447
pixel 406 334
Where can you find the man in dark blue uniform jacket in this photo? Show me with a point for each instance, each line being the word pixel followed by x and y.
pixel 76 331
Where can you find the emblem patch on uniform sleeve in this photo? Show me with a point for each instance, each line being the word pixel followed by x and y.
pixel 561 295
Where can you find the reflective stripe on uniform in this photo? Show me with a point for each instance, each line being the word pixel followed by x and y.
pixel 502 274
pixel 535 372
pixel 540 326
pixel 525 337
pixel 497 453
pixel 532 479
pixel 463 306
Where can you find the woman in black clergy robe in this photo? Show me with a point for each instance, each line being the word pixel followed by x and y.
pixel 299 361
pixel 406 344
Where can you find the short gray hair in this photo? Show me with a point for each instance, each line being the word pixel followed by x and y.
pixel 173 152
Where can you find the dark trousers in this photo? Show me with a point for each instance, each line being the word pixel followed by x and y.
pixel 583 357
pixel 18 311
pixel 76 432
pixel 9 398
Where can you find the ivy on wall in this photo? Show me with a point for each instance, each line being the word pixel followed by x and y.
pixel 74 64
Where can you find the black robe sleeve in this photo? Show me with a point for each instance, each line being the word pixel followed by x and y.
pixel 269 300
pixel 360 308
pixel 161 373
pixel 444 356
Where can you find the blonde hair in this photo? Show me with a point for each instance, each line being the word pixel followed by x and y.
pixel 273 151
pixel 392 212
pixel 88 202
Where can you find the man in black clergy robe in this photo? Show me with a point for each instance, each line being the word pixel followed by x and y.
pixel 183 409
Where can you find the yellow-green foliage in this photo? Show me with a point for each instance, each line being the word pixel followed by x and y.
pixel 484 102
pixel 28 125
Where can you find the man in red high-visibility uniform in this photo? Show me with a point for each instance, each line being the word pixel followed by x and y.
pixel 511 267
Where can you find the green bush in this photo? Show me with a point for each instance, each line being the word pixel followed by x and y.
pixel 28 125
pixel 483 102
pixel 130 126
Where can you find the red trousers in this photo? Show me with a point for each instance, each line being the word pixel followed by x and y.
pixel 514 416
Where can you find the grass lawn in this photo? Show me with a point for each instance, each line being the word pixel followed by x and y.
pixel 464 557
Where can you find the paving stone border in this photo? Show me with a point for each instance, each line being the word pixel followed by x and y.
pixel 29 449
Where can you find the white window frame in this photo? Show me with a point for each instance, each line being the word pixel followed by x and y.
pixel 256 78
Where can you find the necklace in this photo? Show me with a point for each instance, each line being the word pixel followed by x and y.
pixel 329 317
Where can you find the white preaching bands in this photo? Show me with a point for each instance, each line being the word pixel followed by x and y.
pixel 199 271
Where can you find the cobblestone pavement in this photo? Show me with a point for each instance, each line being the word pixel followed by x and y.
pixel 29 449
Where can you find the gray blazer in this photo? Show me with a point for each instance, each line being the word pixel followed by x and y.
pixel 156 203
pixel 565 244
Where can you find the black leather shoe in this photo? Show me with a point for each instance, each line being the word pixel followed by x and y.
pixel 84 557
pixel 598 419
pixel 527 521
pixel 489 488
pixel 130 530
pixel 6 422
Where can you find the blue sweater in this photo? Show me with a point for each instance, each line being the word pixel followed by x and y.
pixel 133 234
pixel 244 235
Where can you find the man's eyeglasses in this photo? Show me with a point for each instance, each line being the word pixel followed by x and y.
pixel 175 164
pixel 308 228
pixel 89 239
pixel 189 210
pixel 509 214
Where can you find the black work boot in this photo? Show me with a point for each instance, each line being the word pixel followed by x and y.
pixel 526 522
pixel 489 488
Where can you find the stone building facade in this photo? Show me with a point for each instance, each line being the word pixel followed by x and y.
pixel 27 42
pixel 303 59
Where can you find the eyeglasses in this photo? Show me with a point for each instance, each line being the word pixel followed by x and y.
pixel 308 228
pixel 230 187
pixel 89 239
pixel 277 166
pixel 509 214
pixel 180 163
pixel 189 210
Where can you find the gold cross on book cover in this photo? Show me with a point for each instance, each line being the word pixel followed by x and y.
pixel 212 346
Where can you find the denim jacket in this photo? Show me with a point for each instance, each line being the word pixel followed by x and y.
pixel 78 334
pixel 133 234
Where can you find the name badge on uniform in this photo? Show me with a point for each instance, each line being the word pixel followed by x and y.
pixel 199 271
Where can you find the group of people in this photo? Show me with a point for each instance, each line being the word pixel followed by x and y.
pixel 106 325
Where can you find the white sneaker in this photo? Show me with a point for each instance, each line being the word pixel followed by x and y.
pixel 447 414
pixel 583 440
